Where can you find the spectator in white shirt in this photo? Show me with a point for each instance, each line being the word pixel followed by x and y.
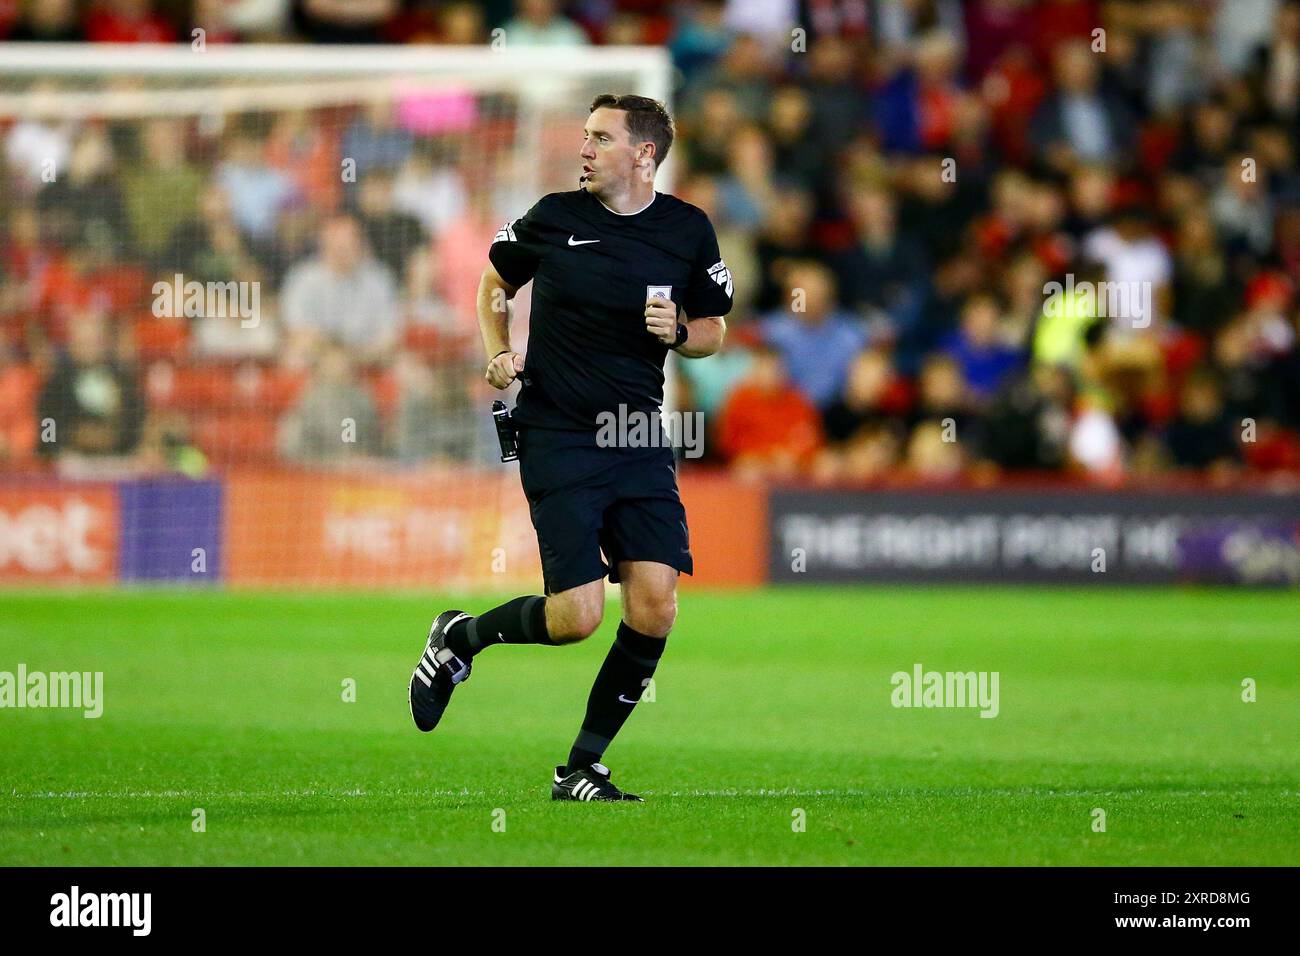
pixel 537 23
pixel 341 293
pixel 1137 267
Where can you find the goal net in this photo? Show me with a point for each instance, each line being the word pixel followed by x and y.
pixel 238 339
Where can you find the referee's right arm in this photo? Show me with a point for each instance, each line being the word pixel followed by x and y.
pixel 494 295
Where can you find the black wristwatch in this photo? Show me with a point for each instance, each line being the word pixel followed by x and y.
pixel 682 334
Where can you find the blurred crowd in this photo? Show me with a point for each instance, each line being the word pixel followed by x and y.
pixel 914 198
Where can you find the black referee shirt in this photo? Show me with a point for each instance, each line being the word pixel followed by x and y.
pixel 592 271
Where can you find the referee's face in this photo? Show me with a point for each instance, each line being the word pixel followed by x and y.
pixel 609 157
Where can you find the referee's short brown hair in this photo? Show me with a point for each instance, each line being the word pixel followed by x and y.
pixel 647 119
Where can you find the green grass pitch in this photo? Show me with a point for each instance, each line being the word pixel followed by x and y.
pixel 767 703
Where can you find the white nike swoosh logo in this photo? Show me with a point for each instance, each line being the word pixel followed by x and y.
pixel 625 700
pixel 580 242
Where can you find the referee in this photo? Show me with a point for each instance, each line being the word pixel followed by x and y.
pixel 621 274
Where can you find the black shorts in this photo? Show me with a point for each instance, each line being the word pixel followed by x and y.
pixel 585 499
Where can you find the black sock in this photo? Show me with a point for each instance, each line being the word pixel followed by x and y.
pixel 521 621
pixel 628 666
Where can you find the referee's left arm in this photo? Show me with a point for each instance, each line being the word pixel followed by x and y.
pixel 703 335
pixel 707 296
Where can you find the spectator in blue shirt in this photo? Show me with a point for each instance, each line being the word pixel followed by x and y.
pixel 816 339
pixel 258 191
pixel 978 346
pixel 376 141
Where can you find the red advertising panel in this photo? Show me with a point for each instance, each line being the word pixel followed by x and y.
pixel 444 530
pixel 728 522
pixel 58 534
pixel 449 529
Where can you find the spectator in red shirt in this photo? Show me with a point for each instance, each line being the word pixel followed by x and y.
pixel 18 386
pixel 127 21
pixel 767 427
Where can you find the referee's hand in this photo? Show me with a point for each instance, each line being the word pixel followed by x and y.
pixel 503 368
pixel 661 319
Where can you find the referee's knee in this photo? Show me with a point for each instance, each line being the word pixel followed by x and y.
pixel 574 629
pixel 574 617
pixel 653 616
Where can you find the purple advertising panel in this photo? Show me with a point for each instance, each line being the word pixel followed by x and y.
pixel 1034 536
pixel 170 531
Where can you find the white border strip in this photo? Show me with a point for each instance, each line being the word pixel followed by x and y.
pixel 278 59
